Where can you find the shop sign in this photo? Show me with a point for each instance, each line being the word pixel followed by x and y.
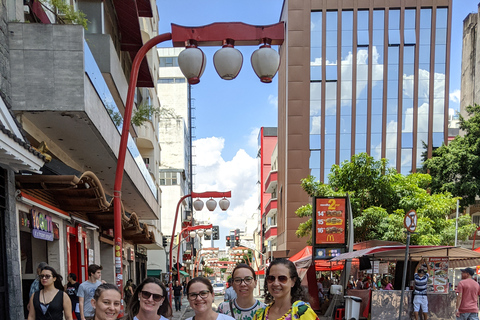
pixel 42 225
pixel 79 233
pixel 438 274
pixel 130 254
pixel 56 231
pixel 330 221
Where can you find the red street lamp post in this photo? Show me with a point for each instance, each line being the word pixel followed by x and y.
pixel 264 62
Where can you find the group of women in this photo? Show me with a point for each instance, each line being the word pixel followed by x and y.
pixel 284 297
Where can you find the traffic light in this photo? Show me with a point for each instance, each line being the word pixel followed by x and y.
pixel 228 240
pixel 164 241
pixel 215 233
pixel 237 241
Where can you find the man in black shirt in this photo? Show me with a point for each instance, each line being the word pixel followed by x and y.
pixel 177 295
pixel 71 288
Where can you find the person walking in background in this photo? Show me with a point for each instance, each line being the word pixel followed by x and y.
pixel 468 290
pixel 230 293
pixel 149 302
pixel 244 306
pixel 86 291
pixel 177 295
pixel 420 300
pixel 35 286
pixel 200 296
pixel 284 294
pixel 128 291
pixel 106 302
pixel 71 289
pixel 50 302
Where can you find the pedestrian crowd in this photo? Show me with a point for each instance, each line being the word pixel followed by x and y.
pixel 284 299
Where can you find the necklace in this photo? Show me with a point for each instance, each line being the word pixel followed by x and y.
pixel 282 318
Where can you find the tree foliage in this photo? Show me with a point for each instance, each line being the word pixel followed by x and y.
pixel 456 167
pixel 380 197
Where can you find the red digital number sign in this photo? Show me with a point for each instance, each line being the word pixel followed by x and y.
pixel 330 221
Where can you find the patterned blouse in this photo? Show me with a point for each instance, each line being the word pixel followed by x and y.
pixel 239 313
pixel 300 311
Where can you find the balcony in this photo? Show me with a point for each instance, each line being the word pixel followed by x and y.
pixel 271 233
pixel 271 208
pixel 271 182
pixel 62 97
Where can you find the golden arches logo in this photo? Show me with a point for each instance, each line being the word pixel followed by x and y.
pixel 330 238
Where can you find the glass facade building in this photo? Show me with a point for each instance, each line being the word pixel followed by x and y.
pixel 377 85
pixel 357 76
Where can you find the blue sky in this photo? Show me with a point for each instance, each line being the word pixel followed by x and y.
pixel 230 113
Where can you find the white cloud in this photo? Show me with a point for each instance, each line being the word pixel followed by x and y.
pixel 455 96
pixel 253 139
pixel 273 100
pixel 238 175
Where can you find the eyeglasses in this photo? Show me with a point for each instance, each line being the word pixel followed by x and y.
pixel 45 276
pixel 281 279
pixel 239 281
pixel 156 297
pixel 203 294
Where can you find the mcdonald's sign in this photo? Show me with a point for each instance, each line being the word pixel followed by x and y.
pixel 330 220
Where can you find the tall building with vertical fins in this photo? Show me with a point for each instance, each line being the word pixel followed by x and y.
pixel 358 76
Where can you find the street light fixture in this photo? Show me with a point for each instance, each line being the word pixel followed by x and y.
pixel 198 205
pixel 211 204
pixel 211 35
pixel 224 204
pixel 228 60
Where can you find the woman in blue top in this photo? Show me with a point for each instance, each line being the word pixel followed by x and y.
pixel 284 295
pixel 244 306
pixel 149 302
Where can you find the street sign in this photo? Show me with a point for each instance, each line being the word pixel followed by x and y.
pixel 410 221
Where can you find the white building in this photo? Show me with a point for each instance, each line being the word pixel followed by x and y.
pixel 175 139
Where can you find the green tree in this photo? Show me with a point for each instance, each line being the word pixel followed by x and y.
pixel 456 167
pixel 380 198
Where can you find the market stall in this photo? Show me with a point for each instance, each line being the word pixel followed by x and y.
pixel 441 296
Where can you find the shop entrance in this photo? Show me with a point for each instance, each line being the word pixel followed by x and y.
pixel 77 253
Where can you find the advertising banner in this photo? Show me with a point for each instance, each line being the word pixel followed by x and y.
pixel 438 280
pixel 330 221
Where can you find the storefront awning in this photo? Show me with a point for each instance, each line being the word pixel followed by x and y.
pixel 183 273
pixel 458 257
pixel 154 273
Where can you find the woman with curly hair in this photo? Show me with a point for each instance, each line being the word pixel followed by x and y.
pixel 284 295
pixel 149 302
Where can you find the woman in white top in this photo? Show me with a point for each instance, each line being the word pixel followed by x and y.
pixel 244 306
pixel 200 296
pixel 149 302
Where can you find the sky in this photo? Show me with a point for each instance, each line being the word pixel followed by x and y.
pixel 229 114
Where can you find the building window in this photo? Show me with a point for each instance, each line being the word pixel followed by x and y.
pixel 171 80
pixel 168 62
pixel 168 178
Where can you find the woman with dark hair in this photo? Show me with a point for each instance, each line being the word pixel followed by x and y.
pixel 106 301
pixel 244 306
pixel 149 302
pixel 283 294
pixel 50 303
pixel 200 296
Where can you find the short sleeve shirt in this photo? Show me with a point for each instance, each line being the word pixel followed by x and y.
pixel 470 290
pixel 87 290
pixel 219 317
pixel 239 313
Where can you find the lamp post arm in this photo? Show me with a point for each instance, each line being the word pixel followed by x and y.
pixel 117 190
pixel 171 243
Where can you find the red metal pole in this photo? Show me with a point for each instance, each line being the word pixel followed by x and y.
pixel 117 190
pixel 171 245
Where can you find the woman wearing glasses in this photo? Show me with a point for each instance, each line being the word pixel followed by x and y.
pixel 149 302
pixel 200 296
pixel 50 303
pixel 106 301
pixel 284 295
pixel 245 305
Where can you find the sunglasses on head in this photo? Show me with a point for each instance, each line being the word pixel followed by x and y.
pixel 44 276
pixel 281 279
pixel 156 297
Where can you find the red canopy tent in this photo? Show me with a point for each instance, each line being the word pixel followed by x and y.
pixel 303 259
